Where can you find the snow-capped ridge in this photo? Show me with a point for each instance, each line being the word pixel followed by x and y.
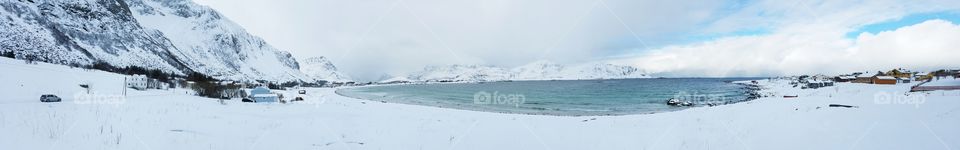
pixel 320 68
pixel 461 73
pixel 538 70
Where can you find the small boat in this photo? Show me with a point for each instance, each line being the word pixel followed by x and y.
pixel 673 102
pixel 790 96
pixel 678 102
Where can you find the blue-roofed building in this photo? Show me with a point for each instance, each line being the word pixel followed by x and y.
pixel 263 95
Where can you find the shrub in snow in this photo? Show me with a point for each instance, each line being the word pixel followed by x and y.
pixel 9 54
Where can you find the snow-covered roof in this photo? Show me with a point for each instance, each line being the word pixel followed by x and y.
pixel 886 78
pixel 259 90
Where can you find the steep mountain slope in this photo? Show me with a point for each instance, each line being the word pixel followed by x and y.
pixel 213 45
pixel 176 36
pixel 320 68
pixel 81 33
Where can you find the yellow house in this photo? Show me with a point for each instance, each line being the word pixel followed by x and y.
pixel 921 77
pixel 898 74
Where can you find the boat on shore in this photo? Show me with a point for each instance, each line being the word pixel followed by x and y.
pixel 678 102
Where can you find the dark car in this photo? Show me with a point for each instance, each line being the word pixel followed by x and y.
pixel 49 98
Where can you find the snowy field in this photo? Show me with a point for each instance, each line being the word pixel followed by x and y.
pixel 885 117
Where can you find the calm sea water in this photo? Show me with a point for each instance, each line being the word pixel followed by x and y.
pixel 579 97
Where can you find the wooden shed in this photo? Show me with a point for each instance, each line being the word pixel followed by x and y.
pixel 884 80
pixel 863 80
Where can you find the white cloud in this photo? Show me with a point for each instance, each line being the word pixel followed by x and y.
pixel 928 45
pixel 369 37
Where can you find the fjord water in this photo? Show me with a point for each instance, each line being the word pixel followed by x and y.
pixel 571 97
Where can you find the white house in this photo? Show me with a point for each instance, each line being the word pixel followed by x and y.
pixel 142 82
pixel 138 82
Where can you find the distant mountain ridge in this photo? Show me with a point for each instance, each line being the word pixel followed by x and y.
pixel 320 68
pixel 539 70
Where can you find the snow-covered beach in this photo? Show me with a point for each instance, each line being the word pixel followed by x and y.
pixel 481 74
pixel 885 117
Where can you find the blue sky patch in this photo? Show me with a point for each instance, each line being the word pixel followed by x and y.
pixel 744 32
pixel 951 16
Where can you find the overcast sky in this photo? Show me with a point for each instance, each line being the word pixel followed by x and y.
pixel 670 38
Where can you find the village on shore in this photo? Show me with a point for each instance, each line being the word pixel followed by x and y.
pixel 943 79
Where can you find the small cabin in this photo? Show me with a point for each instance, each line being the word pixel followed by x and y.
pixel 884 80
pixel 863 80
pixel 921 77
pixel 844 78
pixel 904 80
pixel 814 85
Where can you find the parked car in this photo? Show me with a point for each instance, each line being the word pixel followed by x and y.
pixel 49 98
pixel 300 96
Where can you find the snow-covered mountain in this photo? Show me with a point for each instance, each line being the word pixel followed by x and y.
pixel 605 71
pixel 396 79
pixel 320 68
pixel 176 36
pixel 545 70
pixel 539 70
pixel 461 73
